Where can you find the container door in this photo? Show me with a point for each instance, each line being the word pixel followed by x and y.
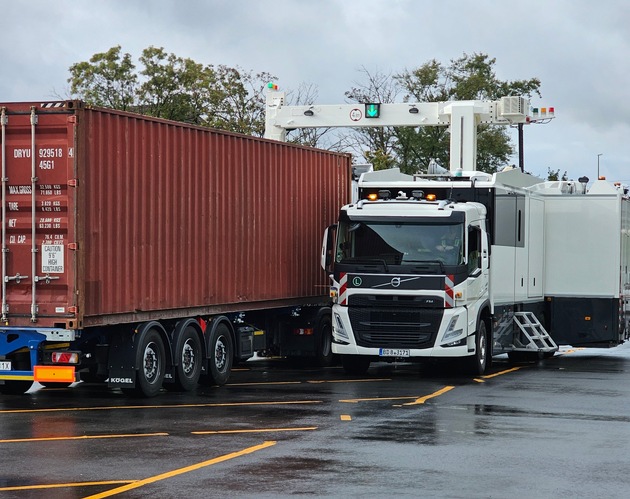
pixel 38 200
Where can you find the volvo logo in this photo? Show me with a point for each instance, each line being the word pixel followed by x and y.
pixel 396 282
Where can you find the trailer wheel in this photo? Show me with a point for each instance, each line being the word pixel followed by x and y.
pixel 221 353
pixel 355 364
pixel 478 363
pixel 151 365
pixel 189 357
pixel 324 342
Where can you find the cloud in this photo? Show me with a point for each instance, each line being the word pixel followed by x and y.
pixel 577 49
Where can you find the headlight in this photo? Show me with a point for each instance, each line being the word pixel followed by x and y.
pixel 451 332
pixel 339 330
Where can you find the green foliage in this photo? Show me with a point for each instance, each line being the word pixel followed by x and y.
pixel 173 88
pixel 471 77
pixel 107 80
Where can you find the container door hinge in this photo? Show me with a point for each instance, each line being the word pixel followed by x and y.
pixel 73 246
pixel 73 182
pixel 72 119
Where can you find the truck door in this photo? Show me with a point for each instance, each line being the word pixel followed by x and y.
pixel 38 200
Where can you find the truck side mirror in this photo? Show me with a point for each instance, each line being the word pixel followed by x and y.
pixel 327 246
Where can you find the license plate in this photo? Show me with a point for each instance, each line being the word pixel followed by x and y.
pixel 394 352
pixel 5 365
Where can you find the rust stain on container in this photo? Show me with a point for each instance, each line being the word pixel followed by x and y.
pixel 139 218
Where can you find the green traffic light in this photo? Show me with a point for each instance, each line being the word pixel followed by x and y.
pixel 372 110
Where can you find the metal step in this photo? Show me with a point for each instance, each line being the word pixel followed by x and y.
pixel 534 337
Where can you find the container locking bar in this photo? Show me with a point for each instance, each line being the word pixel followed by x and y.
pixel 3 124
pixel 33 215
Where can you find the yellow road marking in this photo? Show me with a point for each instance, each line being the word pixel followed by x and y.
pixel 500 373
pixel 354 401
pixel 82 437
pixel 346 417
pixel 422 400
pixel 64 485
pixel 170 474
pixel 255 430
pixel 174 406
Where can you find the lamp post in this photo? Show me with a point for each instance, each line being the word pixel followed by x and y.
pixel 600 154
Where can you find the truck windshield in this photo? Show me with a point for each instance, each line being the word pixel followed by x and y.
pixel 400 243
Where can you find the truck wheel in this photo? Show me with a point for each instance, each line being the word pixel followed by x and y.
pixel 15 387
pixel 189 357
pixel 355 364
pixel 221 355
pixel 324 342
pixel 151 366
pixel 478 363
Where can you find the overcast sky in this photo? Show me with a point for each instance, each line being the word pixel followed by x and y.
pixel 579 50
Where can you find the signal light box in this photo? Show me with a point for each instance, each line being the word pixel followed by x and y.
pixel 372 110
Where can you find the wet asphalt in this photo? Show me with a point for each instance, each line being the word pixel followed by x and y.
pixel 556 428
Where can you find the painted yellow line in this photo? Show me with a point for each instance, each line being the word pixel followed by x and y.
pixel 346 417
pixel 571 350
pixel 174 406
pixel 422 400
pixel 170 474
pixel 500 373
pixel 255 430
pixel 354 401
pixel 314 382
pixel 82 437
pixel 64 485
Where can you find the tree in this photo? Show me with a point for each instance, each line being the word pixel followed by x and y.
pixel 306 95
pixel 107 80
pixel 175 88
pixel 376 145
pixel 471 77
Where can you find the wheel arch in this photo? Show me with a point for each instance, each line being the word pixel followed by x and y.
pixel 123 350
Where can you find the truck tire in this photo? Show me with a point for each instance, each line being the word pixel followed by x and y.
pixel 221 355
pixel 478 363
pixel 324 354
pixel 151 365
pixel 355 364
pixel 188 356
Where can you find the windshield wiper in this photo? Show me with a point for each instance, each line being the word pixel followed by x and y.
pixel 430 262
pixel 366 261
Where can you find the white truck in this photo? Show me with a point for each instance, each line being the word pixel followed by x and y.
pixel 464 264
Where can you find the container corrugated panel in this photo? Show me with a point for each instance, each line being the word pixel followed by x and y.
pixel 157 219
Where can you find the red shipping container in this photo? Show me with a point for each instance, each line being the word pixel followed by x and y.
pixel 111 217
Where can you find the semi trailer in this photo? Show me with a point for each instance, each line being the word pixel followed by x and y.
pixel 144 253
